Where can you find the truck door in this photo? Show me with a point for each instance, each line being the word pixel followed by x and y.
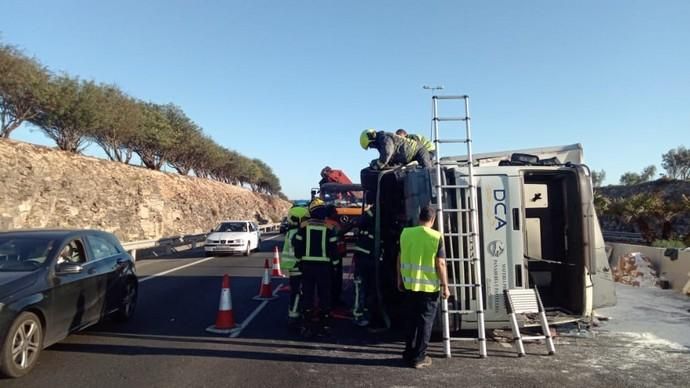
pixel 603 292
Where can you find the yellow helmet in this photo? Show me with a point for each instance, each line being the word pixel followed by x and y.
pixel 316 203
pixel 366 137
pixel 297 214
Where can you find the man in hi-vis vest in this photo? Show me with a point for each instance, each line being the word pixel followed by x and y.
pixel 421 275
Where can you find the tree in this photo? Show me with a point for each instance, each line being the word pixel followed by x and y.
pixel 630 178
pixel 23 85
pixel 676 162
pixel 117 119
pixel 648 173
pixel 154 138
pixel 598 178
pixel 69 112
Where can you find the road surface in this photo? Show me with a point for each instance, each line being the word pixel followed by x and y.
pixel 166 345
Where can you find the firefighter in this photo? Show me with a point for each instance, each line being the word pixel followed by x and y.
pixel 426 143
pixel 365 271
pixel 333 222
pixel 315 246
pixel 296 216
pixel 393 150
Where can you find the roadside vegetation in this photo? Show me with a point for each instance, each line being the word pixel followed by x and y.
pixel 658 209
pixel 75 113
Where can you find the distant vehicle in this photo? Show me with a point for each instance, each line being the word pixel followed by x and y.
pixel 233 237
pixel 55 282
pixel 284 226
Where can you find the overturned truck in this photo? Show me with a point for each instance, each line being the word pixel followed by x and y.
pixel 537 228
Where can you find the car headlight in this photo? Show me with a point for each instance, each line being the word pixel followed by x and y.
pixel 208 241
pixel 240 241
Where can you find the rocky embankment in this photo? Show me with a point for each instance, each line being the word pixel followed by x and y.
pixel 45 188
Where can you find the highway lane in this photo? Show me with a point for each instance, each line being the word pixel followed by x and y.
pixel 166 345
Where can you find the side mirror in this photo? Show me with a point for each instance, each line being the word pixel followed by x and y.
pixel 68 268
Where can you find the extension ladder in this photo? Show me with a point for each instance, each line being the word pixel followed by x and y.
pixel 458 223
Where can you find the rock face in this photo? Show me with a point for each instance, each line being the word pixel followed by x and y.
pixel 45 188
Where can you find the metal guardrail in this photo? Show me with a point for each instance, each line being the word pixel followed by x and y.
pixel 195 240
pixel 624 237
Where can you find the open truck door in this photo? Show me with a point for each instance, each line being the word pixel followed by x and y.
pixel 601 290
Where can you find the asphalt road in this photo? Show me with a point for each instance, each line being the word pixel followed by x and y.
pixel 166 345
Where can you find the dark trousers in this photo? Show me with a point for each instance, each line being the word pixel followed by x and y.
pixel 365 287
pixel 337 282
pixel 294 311
pixel 316 280
pixel 421 312
pixel 423 158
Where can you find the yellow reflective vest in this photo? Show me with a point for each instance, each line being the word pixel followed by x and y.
pixel 418 249
pixel 289 261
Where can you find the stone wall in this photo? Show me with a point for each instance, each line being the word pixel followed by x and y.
pixel 45 188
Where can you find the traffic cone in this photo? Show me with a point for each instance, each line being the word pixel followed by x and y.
pixel 225 320
pixel 265 292
pixel 276 265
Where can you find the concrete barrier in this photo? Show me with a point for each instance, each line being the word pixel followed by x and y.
pixel 672 264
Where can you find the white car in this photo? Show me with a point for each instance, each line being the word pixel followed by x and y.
pixel 233 237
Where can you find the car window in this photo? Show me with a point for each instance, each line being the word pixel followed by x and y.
pixel 252 227
pixel 24 253
pixel 72 252
pixel 231 227
pixel 101 247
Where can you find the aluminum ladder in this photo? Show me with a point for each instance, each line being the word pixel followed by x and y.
pixel 527 301
pixel 462 236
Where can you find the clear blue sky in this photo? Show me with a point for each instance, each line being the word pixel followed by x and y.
pixel 295 82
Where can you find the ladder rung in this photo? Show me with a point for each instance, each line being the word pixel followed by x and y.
pixel 463 339
pixel 462 311
pixel 458 210
pixel 449 141
pixel 462 97
pixel 461 258
pixel 457 118
pixel 454 186
pixel 532 337
pixel 452 163
pixel 467 285
pixel 451 234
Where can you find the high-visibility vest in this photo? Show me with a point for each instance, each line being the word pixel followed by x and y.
pixel 316 242
pixel 418 248
pixel 426 143
pixel 288 259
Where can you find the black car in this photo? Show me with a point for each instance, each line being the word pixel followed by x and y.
pixel 284 226
pixel 55 282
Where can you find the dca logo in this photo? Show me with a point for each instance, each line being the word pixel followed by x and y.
pixel 500 209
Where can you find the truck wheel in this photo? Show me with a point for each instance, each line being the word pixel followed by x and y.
pixel 22 346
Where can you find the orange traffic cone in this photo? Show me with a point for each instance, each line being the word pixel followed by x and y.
pixel 225 320
pixel 276 265
pixel 265 292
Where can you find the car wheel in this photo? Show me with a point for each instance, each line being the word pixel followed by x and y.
pixel 258 246
pixel 208 254
pixel 249 249
pixel 129 302
pixel 22 345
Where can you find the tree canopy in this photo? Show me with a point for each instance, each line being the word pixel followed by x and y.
pixel 75 112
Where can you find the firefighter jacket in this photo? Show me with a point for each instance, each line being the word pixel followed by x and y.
pixel 394 150
pixel 315 242
pixel 365 234
pixel 289 261
pixel 419 247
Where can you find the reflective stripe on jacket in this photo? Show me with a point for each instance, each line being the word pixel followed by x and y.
pixel 288 259
pixel 315 242
pixel 418 249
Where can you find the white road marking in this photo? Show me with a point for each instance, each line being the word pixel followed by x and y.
pixel 175 269
pixel 254 313
pixel 271 238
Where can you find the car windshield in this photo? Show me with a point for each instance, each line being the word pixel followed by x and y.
pixel 231 227
pixel 24 253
